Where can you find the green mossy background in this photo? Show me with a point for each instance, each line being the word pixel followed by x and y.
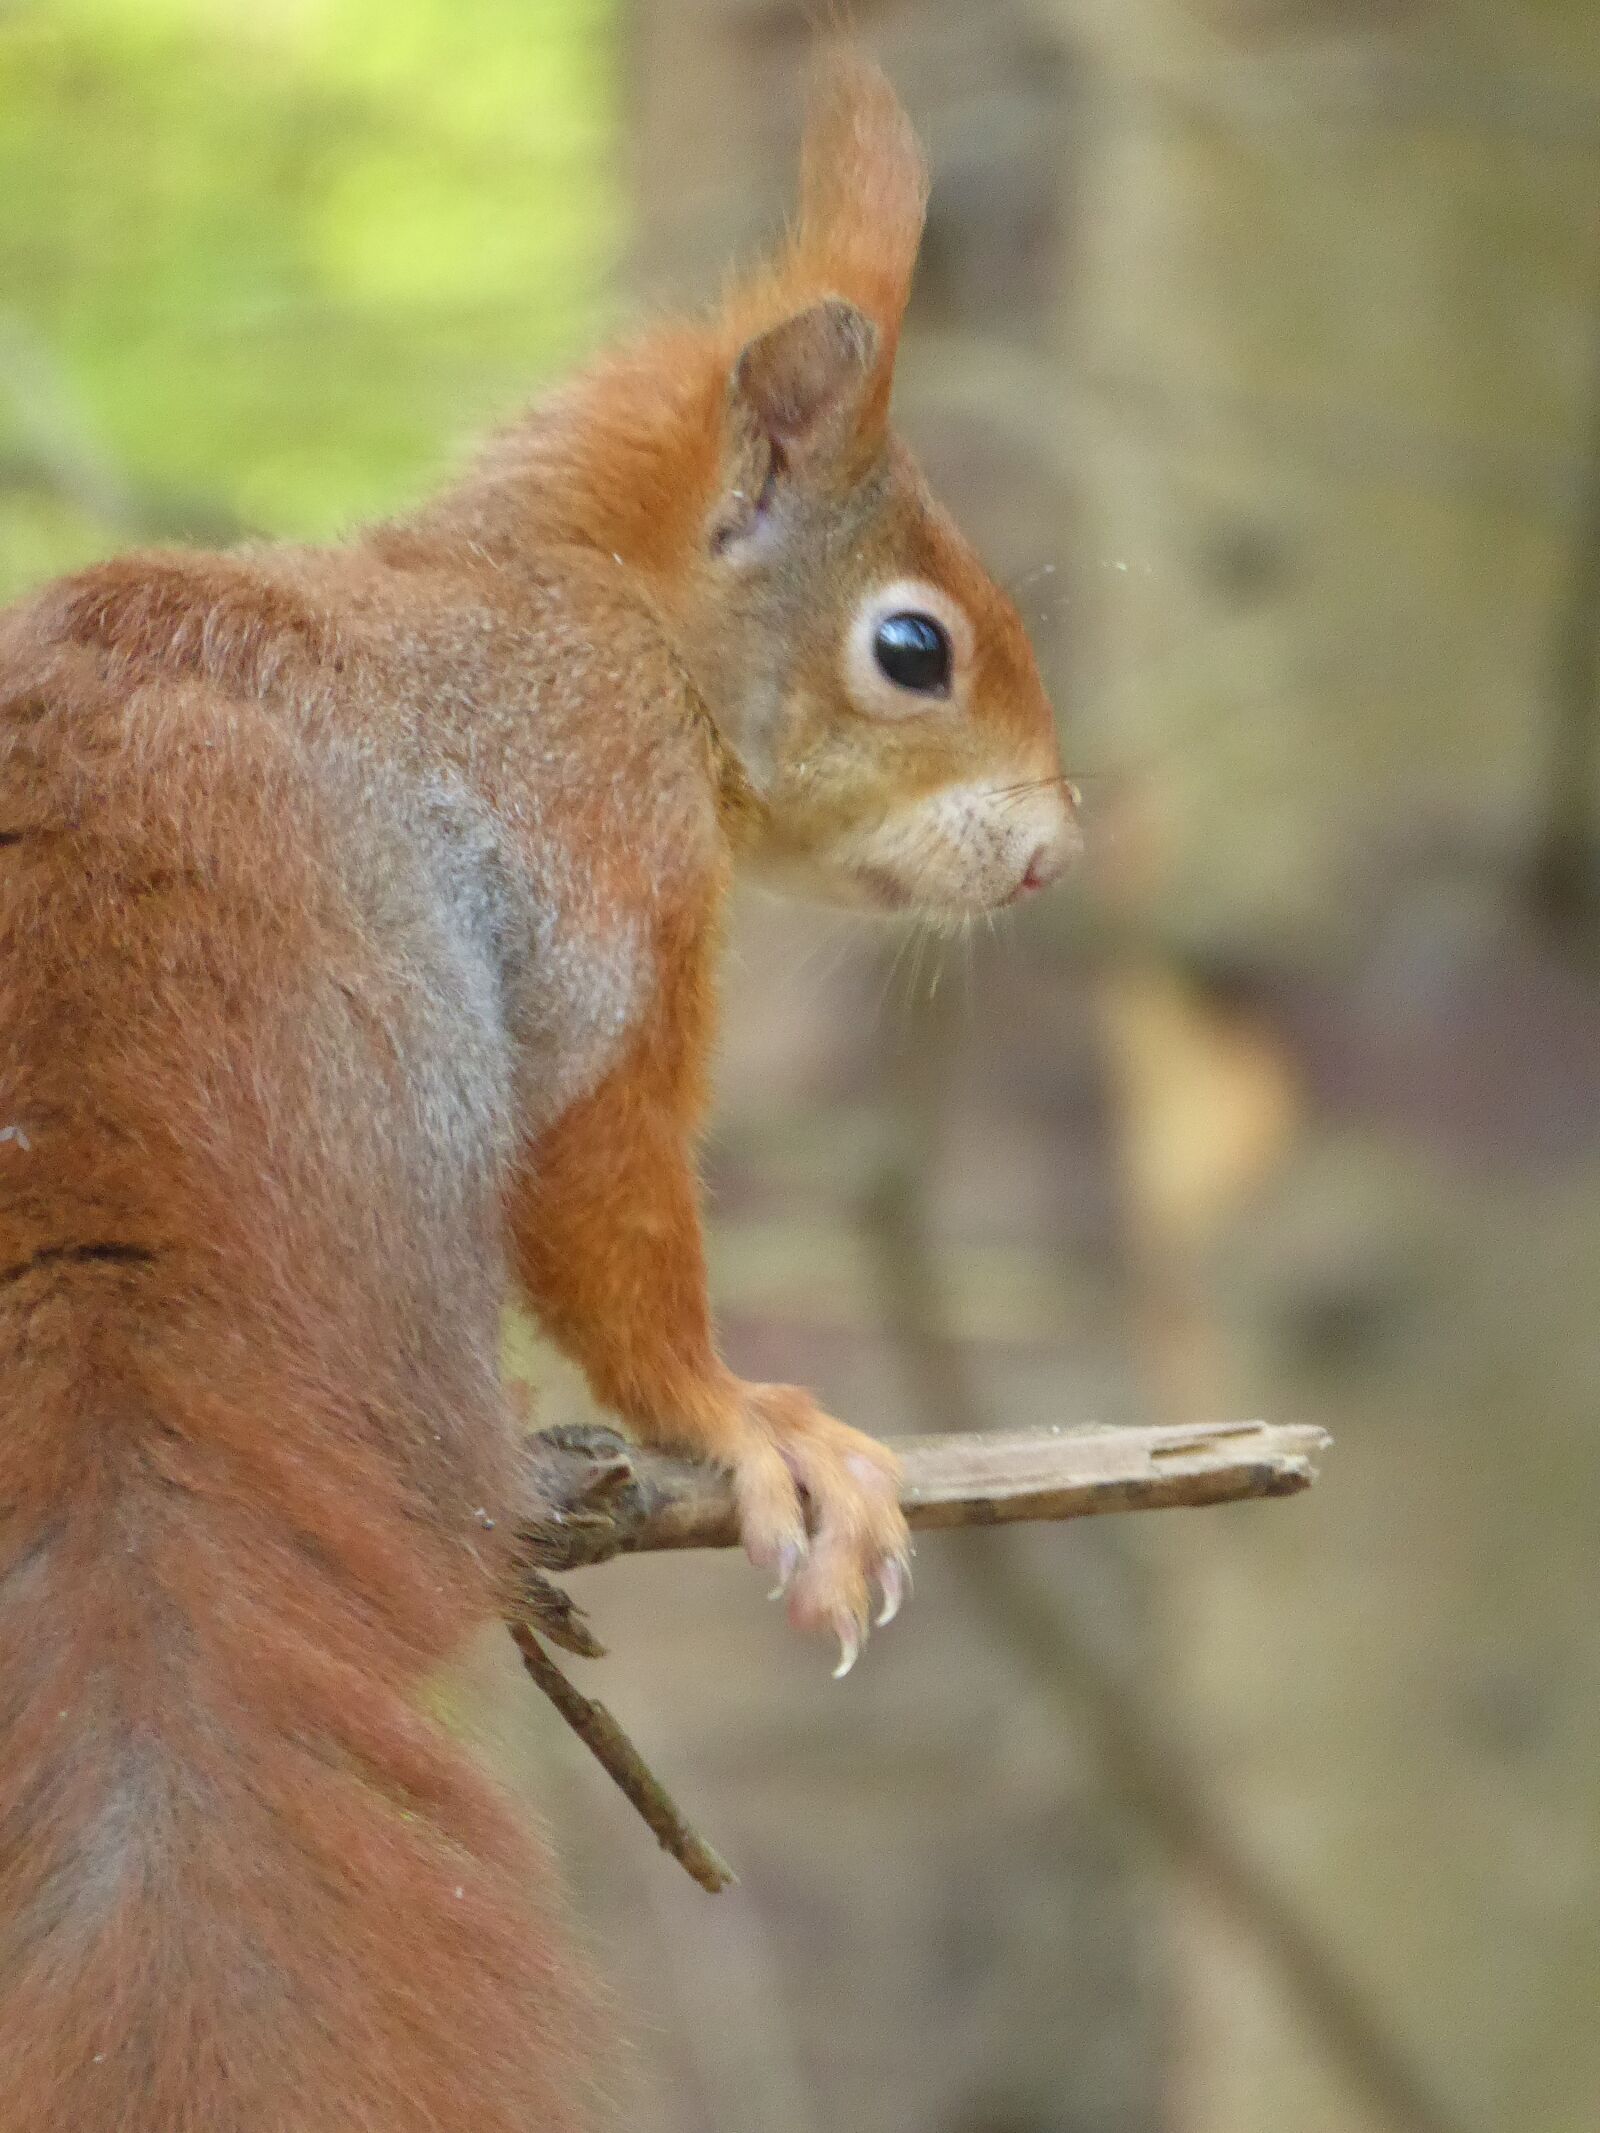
pixel 265 263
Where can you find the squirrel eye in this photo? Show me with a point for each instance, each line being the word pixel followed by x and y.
pixel 914 652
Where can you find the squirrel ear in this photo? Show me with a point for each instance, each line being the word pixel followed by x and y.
pixel 801 383
pixel 796 398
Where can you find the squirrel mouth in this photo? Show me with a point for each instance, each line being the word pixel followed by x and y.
pixel 887 893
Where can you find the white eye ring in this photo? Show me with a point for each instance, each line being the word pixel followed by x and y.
pixel 870 689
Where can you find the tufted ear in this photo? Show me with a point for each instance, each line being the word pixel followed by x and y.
pixel 863 192
pixel 796 397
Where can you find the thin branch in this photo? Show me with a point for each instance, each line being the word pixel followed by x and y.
pixel 592 1496
pixel 598 1496
pixel 616 1754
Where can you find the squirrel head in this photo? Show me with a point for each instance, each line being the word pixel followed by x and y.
pixel 874 685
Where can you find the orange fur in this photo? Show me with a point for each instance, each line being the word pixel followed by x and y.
pixel 358 913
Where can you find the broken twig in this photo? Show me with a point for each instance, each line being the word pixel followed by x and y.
pixel 592 1496
pixel 616 1754
pixel 600 1497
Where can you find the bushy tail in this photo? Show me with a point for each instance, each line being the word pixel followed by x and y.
pixel 245 1886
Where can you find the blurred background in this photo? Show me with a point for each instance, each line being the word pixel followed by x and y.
pixel 1258 342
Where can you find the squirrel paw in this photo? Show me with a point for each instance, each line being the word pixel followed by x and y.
pixel 819 1504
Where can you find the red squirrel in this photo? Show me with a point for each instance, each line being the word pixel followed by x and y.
pixel 358 930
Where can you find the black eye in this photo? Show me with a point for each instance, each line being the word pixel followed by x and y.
pixel 914 651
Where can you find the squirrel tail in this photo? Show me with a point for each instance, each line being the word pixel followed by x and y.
pixel 251 1424
pixel 246 1885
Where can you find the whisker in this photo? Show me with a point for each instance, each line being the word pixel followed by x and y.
pixel 1009 792
pixel 901 947
pixel 918 958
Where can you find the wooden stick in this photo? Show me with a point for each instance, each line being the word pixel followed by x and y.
pixel 616 1754
pixel 598 1496
pixel 592 1496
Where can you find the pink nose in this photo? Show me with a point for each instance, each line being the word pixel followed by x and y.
pixel 1048 864
pixel 1054 852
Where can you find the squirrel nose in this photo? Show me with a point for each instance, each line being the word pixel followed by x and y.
pixel 1054 850
pixel 1044 867
pixel 1052 857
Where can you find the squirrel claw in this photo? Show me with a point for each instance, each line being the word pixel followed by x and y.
pixel 790 1557
pixel 797 1467
pixel 894 1582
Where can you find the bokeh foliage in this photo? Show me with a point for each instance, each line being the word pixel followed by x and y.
pixel 264 263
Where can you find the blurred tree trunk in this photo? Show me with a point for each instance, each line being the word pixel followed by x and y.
pixel 1336 331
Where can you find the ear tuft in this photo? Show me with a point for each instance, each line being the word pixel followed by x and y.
pixel 813 388
pixel 801 381
pixel 863 190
